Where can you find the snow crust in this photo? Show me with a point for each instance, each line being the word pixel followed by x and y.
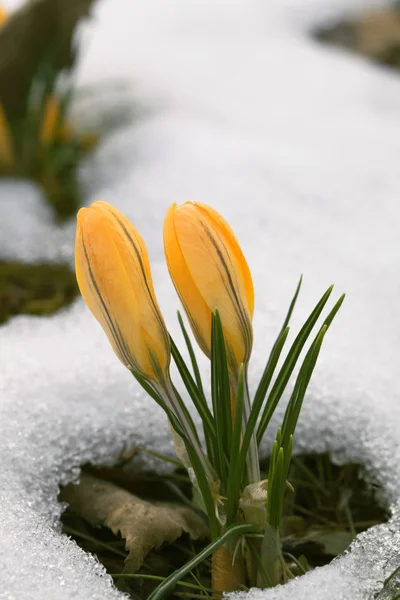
pixel 297 145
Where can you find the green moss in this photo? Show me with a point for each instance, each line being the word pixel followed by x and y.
pixel 34 289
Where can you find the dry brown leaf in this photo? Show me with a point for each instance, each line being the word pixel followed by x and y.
pixel 378 32
pixel 144 526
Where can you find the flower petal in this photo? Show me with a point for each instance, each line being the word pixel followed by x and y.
pixel 114 277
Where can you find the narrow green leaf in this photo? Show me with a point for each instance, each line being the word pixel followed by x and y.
pixel 296 401
pixel 270 557
pixel 259 398
pixel 220 397
pixel 144 576
pixel 271 475
pixel 388 579
pixel 256 557
pixel 274 356
pixel 252 458
pixel 169 584
pixel 204 486
pixel 197 398
pixel 280 487
pixel 146 386
pixel 173 417
pixel 288 455
pixel 276 491
pixel 334 311
pixel 279 436
pixel 289 364
pixel 197 459
pixel 192 355
pixel 223 384
pixel 193 453
pixel 180 410
pixel 234 483
pixel 292 304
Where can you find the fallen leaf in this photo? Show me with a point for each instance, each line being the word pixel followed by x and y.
pixel 378 33
pixel 144 525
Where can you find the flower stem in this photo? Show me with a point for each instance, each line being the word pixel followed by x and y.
pixel 171 398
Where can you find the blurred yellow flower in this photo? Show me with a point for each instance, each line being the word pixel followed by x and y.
pixel 53 127
pixel 113 273
pixel 6 150
pixel 6 154
pixel 210 272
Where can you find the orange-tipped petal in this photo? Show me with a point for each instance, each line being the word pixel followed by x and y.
pixel 210 272
pixel 196 309
pixel 3 14
pixel 235 251
pixel 114 277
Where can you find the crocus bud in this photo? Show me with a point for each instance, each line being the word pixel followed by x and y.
pixel 210 272
pixel 113 273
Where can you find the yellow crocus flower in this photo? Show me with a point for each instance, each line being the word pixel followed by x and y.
pixel 210 272
pixel 6 149
pixel 6 154
pixel 51 128
pixel 113 273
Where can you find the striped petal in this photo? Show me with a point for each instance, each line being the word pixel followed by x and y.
pixel 210 272
pixel 197 311
pixel 114 277
pixel 3 14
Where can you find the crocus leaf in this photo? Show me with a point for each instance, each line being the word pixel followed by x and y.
pixel 144 525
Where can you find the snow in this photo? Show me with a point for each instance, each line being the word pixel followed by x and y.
pixel 297 145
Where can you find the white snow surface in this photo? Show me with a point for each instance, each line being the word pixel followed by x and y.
pixel 297 145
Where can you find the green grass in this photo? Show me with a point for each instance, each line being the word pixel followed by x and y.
pixel 330 504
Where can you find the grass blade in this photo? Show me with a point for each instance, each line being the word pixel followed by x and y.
pixel 292 304
pixel 296 401
pixel 289 365
pixel 275 354
pixel 168 584
pixel 258 400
